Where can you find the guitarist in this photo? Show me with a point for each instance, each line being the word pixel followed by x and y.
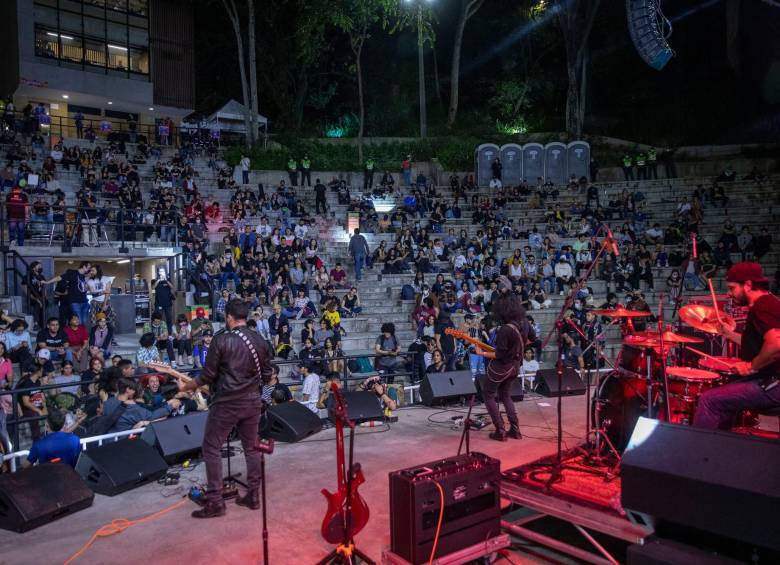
pixel 237 365
pixel 505 362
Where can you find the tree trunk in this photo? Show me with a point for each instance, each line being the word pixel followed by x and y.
pixel 230 8
pixel 452 113
pixel 732 37
pixel 576 25
pixel 252 70
pixel 301 92
pixel 436 84
pixel 358 50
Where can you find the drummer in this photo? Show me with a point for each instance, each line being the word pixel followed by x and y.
pixel 759 350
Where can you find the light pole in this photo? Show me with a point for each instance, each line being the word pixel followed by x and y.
pixel 421 67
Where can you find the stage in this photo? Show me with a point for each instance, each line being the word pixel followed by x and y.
pixel 296 473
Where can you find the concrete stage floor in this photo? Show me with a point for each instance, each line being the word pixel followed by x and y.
pixel 296 473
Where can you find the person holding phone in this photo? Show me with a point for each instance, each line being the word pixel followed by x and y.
pixel 164 295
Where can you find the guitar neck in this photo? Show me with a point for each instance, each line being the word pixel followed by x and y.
pixel 472 340
pixel 170 371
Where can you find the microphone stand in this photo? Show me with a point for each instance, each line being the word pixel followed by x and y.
pixel 465 436
pixel 556 467
pixel 264 447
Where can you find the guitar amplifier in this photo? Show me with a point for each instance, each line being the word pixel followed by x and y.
pixel 472 510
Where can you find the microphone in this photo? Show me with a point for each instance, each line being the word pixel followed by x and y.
pixel 695 253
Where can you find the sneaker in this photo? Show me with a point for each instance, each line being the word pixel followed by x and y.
pixel 498 435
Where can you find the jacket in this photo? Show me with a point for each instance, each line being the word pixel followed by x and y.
pixel 231 370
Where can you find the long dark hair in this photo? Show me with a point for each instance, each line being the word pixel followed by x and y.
pixel 509 308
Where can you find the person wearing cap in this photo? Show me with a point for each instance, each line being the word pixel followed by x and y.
pixel 759 351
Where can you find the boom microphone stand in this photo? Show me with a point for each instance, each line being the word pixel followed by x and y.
pixel 264 447
pixel 557 466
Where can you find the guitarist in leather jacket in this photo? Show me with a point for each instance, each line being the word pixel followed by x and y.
pixel 505 363
pixel 237 365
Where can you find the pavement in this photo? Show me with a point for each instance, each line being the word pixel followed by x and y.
pixel 296 473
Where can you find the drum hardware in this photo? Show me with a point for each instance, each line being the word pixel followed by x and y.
pixel 706 318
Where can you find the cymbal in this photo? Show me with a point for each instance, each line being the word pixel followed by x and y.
pixel 621 313
pixel 705 318
pixel 671 337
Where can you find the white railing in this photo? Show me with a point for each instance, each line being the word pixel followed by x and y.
pixel 86 441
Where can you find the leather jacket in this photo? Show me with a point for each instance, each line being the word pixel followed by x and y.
pixel 231 370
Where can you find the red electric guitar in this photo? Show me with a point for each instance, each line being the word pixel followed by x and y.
pixel 347 512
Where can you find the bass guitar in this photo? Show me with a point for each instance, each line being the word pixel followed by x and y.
pixel 347 512
pixel 472 340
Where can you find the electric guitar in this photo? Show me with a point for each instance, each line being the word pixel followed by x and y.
pixel 472 340
pixel 347 512
pixel 178 375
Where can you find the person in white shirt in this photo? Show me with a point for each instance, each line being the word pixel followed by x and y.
pixel 245 164
pixel 262 323
pixel 563 274
pixel 310 391
pixel 301 229
pixel 530 367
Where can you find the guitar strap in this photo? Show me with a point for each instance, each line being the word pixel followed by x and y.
pixel 252 350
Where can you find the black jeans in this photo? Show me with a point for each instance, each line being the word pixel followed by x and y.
pixel 502 391
pixel 244 415
pixel 168 314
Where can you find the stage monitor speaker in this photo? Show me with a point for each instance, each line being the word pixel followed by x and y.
pixel 289 422
pixel 41 494
pixel 362 406
pixel 516 392
pixel 657 551
pixel 116 467
pixel 438 388
pixel 179 438
pixel 646 26
pixel 718 482
pixel 547 383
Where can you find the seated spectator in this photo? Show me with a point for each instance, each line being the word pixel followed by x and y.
pixel 93 373
pixel 385 395
pixel 148 352
pixel 338 276
pixel 182 337
pixel 60 444
pixel 283 341
pixel 78 342
pixel 152 395
pixel 67 376
pixel 330 353
pixel 388 350
pixel 438 364
pixel 274 391
pixel 19 343
pixel 100 337
pixel 160 332
pixel 127 414
pixel 32 400
pixel 350 306
pixel 55 340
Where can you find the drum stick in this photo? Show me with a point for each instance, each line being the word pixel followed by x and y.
pixel 709 357
pixel 714 301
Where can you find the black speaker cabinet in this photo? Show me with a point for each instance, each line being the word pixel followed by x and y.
pixel 177 438
pixel 547 383
pixel 289 422
pixel 438 388
pixel 719 482
pixel 516 392
pixel 362 406
pixel 657 551
pixel 116 467
pixel 41 494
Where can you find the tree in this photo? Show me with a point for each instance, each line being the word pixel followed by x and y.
pixel 355 18
pixel 467 9
pixel 576 21
pixel 249 91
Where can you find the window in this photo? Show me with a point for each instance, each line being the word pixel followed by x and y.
pixel 139 60
pixel 108 34
pixel 94 53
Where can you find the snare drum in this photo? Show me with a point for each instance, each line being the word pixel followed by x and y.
pixel 686 384
pixel 721 365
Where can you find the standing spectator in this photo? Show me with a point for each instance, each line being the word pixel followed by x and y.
pixel 594 170
pixel 164 295
pixel 319 197
pixel 358 248
pixel 16 206
pixel 368 174
pixel 99 288
pixel 292 171
pixel 245 164
pixel 496 168
pixel 79 119
pixel 305 170
pixel 75 287
pixel 310 391
pixel 406 170
pixel 444 342
pixel 628 167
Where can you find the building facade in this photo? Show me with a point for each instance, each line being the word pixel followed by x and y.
pixel 104 58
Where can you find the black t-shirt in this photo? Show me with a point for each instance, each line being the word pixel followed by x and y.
pixel 36 396
pixel 447 341
pixel 162 294
pixel 52 341
pixel 76 285
pixel 763 316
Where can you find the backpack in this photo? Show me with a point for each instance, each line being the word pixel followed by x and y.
pixel 407 292
pixel 364 364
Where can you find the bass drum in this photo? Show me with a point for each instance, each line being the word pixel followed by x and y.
pixel 621 401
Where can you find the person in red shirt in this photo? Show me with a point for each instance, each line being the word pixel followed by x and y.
pixel 17 208
pixel 338 276
pixel 78 342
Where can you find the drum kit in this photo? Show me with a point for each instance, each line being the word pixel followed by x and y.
pixel 646 360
